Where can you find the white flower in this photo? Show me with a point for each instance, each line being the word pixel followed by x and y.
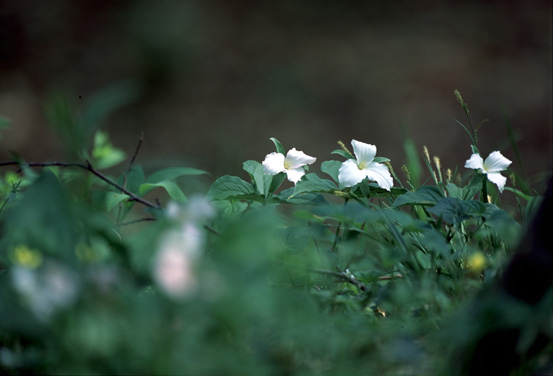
pixel 292 164
pixel 47 289
pixel 174 266
pixel 354 171
pixel 490 167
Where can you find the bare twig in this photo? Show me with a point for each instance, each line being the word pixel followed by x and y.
pixel 88 167
pixel 341 275
pixel 133 159
pixel 137 221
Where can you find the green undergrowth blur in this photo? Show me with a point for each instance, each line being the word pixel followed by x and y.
pixel 97 276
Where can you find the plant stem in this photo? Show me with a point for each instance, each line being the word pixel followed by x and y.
pixel 485 191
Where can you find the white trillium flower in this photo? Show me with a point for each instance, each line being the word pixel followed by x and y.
pixel 354 171
pixel 490 167
pixel 292 164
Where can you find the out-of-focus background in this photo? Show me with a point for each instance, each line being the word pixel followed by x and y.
pixel 213 80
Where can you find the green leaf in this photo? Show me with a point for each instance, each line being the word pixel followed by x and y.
pixel 304 199
pixel 112 199
pixel 255 170
pixel 519 193
pixel 229 187
pixel 454 210
pixel 276 181
pixel 381 159
pixel 135 178
pixel 425 195
pixel 343 153
pixel 454 191
pixel 172 173
pixel 171 187
pixel 104 153
pixel 331 168
pixel 230 208
pixel 313 183
pixel 278 146
pixel 295 240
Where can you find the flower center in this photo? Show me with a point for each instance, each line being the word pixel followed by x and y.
pixel 287 164
pixel 361 165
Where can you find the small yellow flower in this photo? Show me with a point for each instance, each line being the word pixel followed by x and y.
pixel 25 256
pixel 477 262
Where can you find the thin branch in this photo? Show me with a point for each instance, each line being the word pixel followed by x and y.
pixel 133 159
pixel 88 167
pixel 341 275
pixel 212 230
pixel 137 221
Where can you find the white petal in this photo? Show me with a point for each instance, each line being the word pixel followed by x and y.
pixel 496 162
pixel 364 152
pixel 497 179
pixel 379 173
pixel 273 163
pixel 296 158
pixel 349 174
pixel 295 174
pixel 475 162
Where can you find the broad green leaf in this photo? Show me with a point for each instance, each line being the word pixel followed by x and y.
pixel 113 198
pixel 343 153
pixel 231 208
pixel 172 173
pixel 276 181
pixel 278 146
pixel 331 168
pixel 229 186
pixel 288 196
pixel 381 159
pixel 172 189
pixel 135 177
pixel 255 170
pixel 313 183
pixel 454 210
pixel 454 191
pixel 295 239
pixel 425 195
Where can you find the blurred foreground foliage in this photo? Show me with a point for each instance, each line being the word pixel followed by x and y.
pixel 316 279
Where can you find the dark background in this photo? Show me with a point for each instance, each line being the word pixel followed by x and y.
pixel 215 79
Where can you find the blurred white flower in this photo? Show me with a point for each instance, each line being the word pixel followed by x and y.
pixel 354 171
pixel 291 164
pixel 46 289
pixel 491 167
pixel 198 208
pixel 174 265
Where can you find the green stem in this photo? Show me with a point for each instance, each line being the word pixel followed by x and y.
pixel 485 191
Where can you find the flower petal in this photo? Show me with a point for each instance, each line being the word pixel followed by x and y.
pixel 496 162
pixel 497 179
pixel 273 163
pixel 296 158
pixel 364 152
pixel 295 174
pixel 349 174
pixel 380 174
pixel 475 162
